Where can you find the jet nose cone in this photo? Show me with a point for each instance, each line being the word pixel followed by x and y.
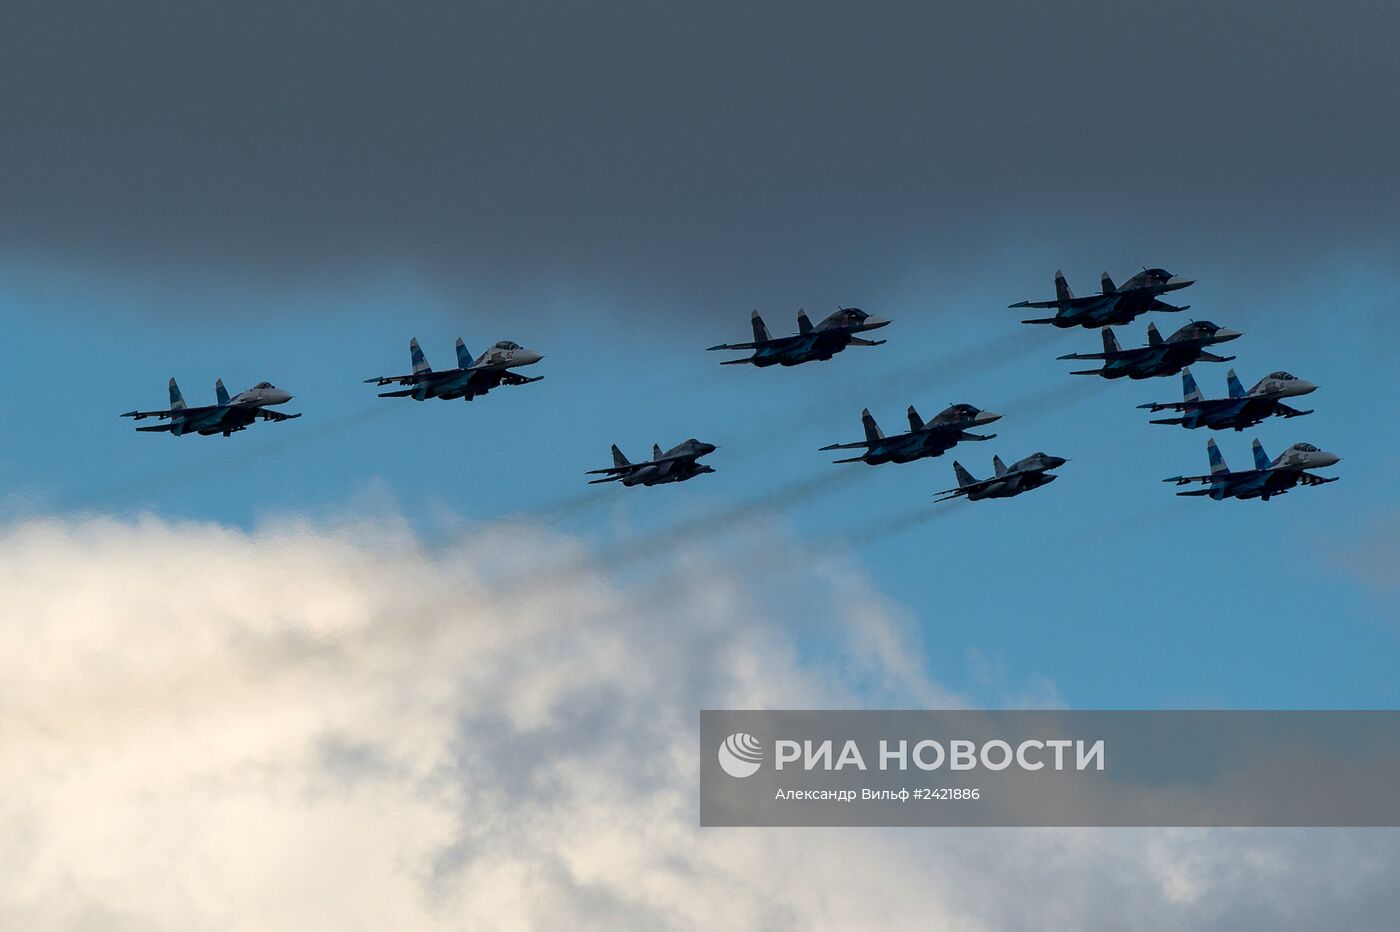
pixel 280 397
pixel 875 323
pixel 528 357
pixel 1326 459
pixel 1301 387
pixel 1225 334
pixel 707 448
pixel 1055 462
pixel 986 417
pixel 1180 281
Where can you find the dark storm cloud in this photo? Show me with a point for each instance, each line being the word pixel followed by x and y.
pixel 653 149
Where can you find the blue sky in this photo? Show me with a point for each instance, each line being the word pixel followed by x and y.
pixel 1104 584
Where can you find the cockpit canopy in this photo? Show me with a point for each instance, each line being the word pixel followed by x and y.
pixel 962 410
pixel 1283 376
pixel 1305 448
pixel 507 345
pixel 262 385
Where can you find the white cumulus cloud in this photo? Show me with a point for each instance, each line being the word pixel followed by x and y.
pixel 334 726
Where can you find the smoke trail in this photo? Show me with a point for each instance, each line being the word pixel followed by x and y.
pixel 646 546
pixel 249 452
pixel 893 525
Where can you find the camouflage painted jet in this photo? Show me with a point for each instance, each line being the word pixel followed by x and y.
pixel 224 417
pixel 1242 409
pixel 1022 476
pixel 675 465
pixel 472 377
pixel 1158 357
pixel 925 438
pixel 1114 305
pixel 821 342
pixel 1266 479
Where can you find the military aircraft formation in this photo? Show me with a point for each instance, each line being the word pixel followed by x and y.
pixel 474 376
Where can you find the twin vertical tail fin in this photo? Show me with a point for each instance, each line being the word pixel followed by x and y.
pixel 618 458
pixel 1153 337
pixel 1232 380
pixel 916 423
pixel 1106 284
pixel 177 400
pixel 1189 389
pixel 220 392
pixel 1217 462
pixel 804 323
pixel 1062 292
pixel 760 329
pixel 420 362
pixel 965 478
pixel 1110 342
pixel 464 355
pixel 1261 459
pixel 999 466
pixel 873 433
pixel 656 451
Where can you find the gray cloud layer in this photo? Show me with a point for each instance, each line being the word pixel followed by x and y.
pixel 671 146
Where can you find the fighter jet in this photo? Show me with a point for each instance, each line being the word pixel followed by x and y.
pixel 823 341
pixel 472 377
pixel 225 417
pixel 675 465
pixel 925 438
pixel 1113 305
pixel 1158 357
pixel 1242 409
pixel 1266 479
pixel 1022 476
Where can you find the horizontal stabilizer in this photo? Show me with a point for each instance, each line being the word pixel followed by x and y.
pixel 859 341
pixel 1037 320
pixel 1211 357
pixel 737 362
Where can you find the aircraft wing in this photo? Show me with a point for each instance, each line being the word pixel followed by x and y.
pixel 1203 404
pixel 175 412
pixel 416 378
pixel 1285 411
pixel 613 470
pixel 510 378
pixel 269 415
pixel 733 346
pixel 949 494
pixel 855 445
pixel 1214 477
pixel 1086 300
pixel 392 380
pixel 1307 478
